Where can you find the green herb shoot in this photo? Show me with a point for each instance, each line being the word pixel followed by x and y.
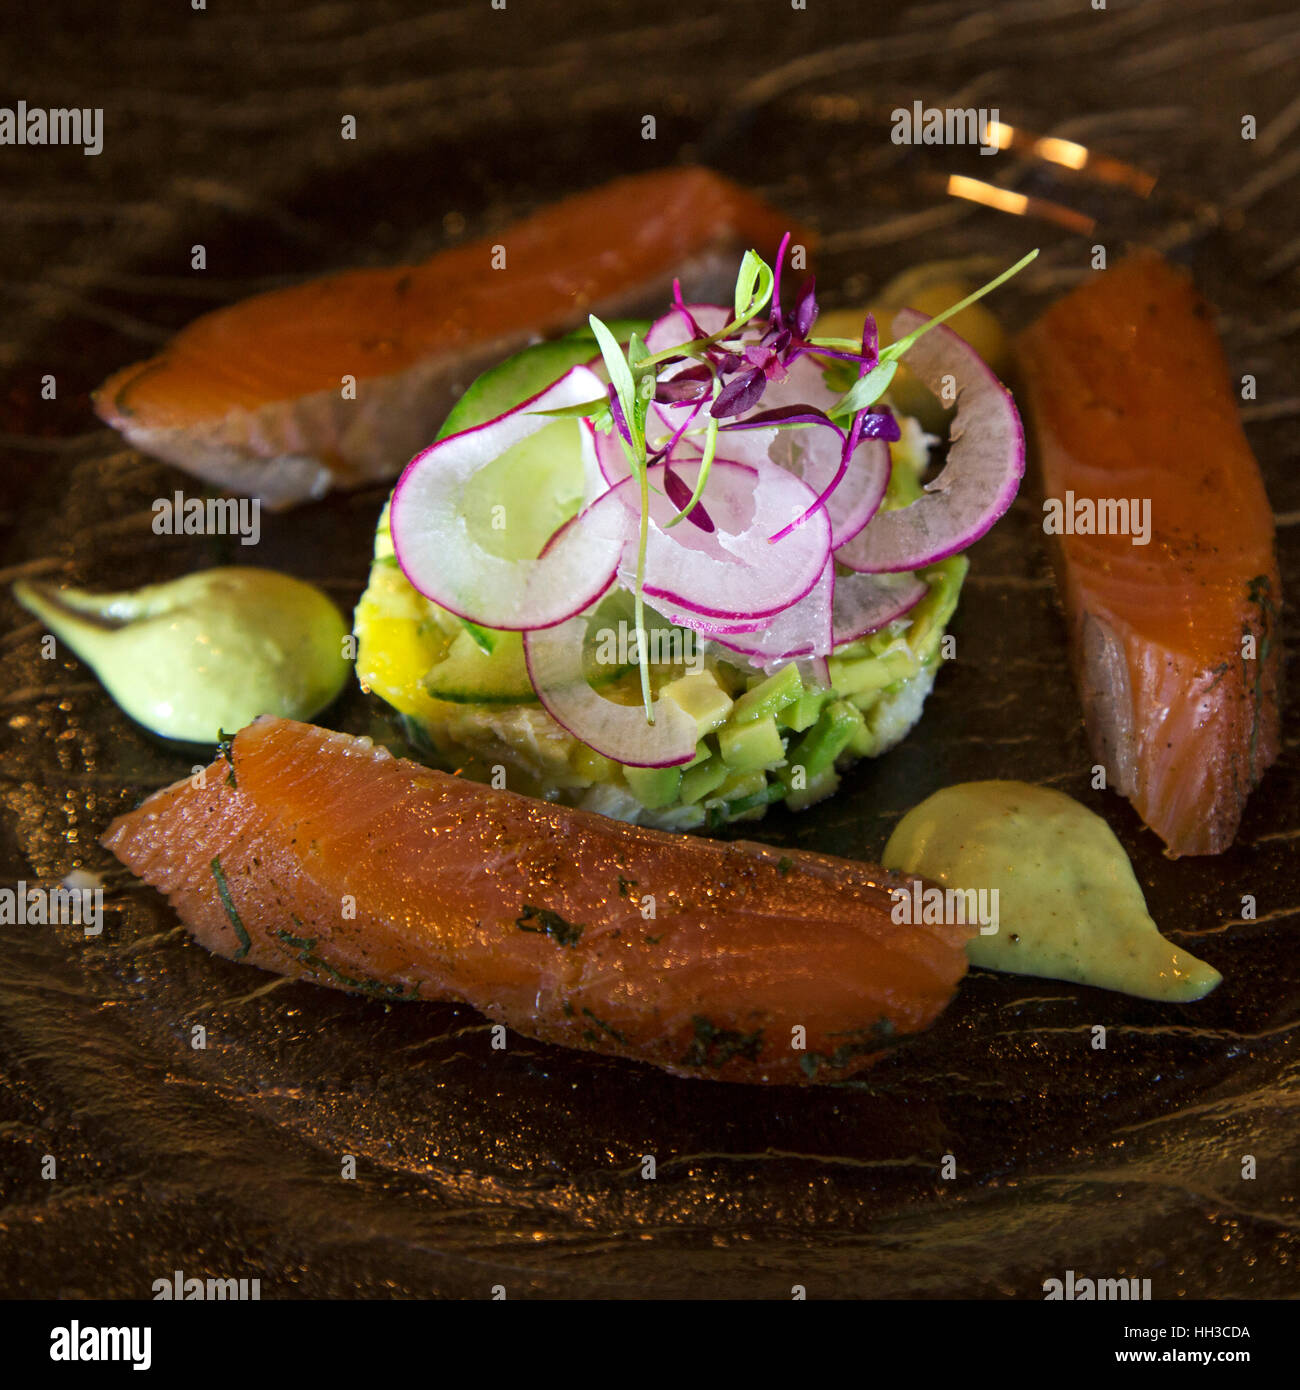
pixel 869 389
pixel 223 892
pixel 634 405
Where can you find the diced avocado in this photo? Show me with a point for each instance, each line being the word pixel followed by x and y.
pixel 930 616
pixel 756 744
pixel 751 807
pixel 740 784
pixel 593 766
pixel 699 781
pixel 818 788
pixel 702 754
pixel 700 695
pixel 781 688
pixel 857 675
pixel 864 700
pixel 826 740
pixel 654 787
pixel 865 742
pixel 803 713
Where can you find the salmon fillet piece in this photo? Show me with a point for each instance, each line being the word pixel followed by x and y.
pixel 1175 642
pixel 321 856
pixel 251 397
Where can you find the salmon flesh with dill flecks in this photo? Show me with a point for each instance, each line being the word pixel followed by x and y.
pixel 731 961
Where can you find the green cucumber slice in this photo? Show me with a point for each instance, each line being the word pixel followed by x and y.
pixel 468 675
pixel 504 386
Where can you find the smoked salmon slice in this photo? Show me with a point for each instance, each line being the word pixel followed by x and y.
pixel 1175 641
pixel 318 855
pixel 341 380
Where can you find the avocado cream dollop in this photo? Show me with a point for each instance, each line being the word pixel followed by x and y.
pixel 205 653
pixel 1069 905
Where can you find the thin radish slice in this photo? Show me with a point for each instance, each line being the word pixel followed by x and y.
pixel 708 627
pixel 802 630
pixel 676 327
pixel 726 573
pixel 814 455
pixel 608 451
pixel 441 558
pixel 730 507
pixel 864 603
pixel 813 452
pixel 985 463
pixel 610 456
pixel 555 669
pixel 814 672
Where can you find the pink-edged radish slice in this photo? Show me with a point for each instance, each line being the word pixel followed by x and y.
pixel 440 556
pixel 813 452
pixel 729 574
pixel 802 630
pixel 555 668
pixel 864 603
pixel 814 672
pixel 985 464
pixel 708 627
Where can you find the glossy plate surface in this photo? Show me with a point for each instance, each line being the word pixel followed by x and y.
pixel 523 1167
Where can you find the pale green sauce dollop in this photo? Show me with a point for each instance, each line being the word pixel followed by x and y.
pixel 207 652
pixel 1069 905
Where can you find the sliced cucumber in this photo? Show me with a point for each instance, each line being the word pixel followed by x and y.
pixel 467 675
pixel 518 501
pixel 504 386
pixel 699 781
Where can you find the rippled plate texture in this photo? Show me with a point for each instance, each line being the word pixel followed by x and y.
pixel 523 1167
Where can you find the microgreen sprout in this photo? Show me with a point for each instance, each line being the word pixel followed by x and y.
pixel 868 389
pixel 627 401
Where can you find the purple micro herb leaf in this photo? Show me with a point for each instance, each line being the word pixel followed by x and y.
pixel 805 308
pixel 778 319
pixel 879 423
pixel 696 330
pixel 740 394
pixel 784 415
pixel 757 355
pixel 687 385
pixel 822 351
pixel 729 362
pixel 680 496
pixel 870 344
pixel 616 410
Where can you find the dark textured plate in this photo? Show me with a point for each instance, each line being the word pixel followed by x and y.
pixel 524 1167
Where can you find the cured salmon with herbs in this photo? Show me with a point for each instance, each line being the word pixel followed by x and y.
pixel 323 857
pixel 1175 641
pixel 339 381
